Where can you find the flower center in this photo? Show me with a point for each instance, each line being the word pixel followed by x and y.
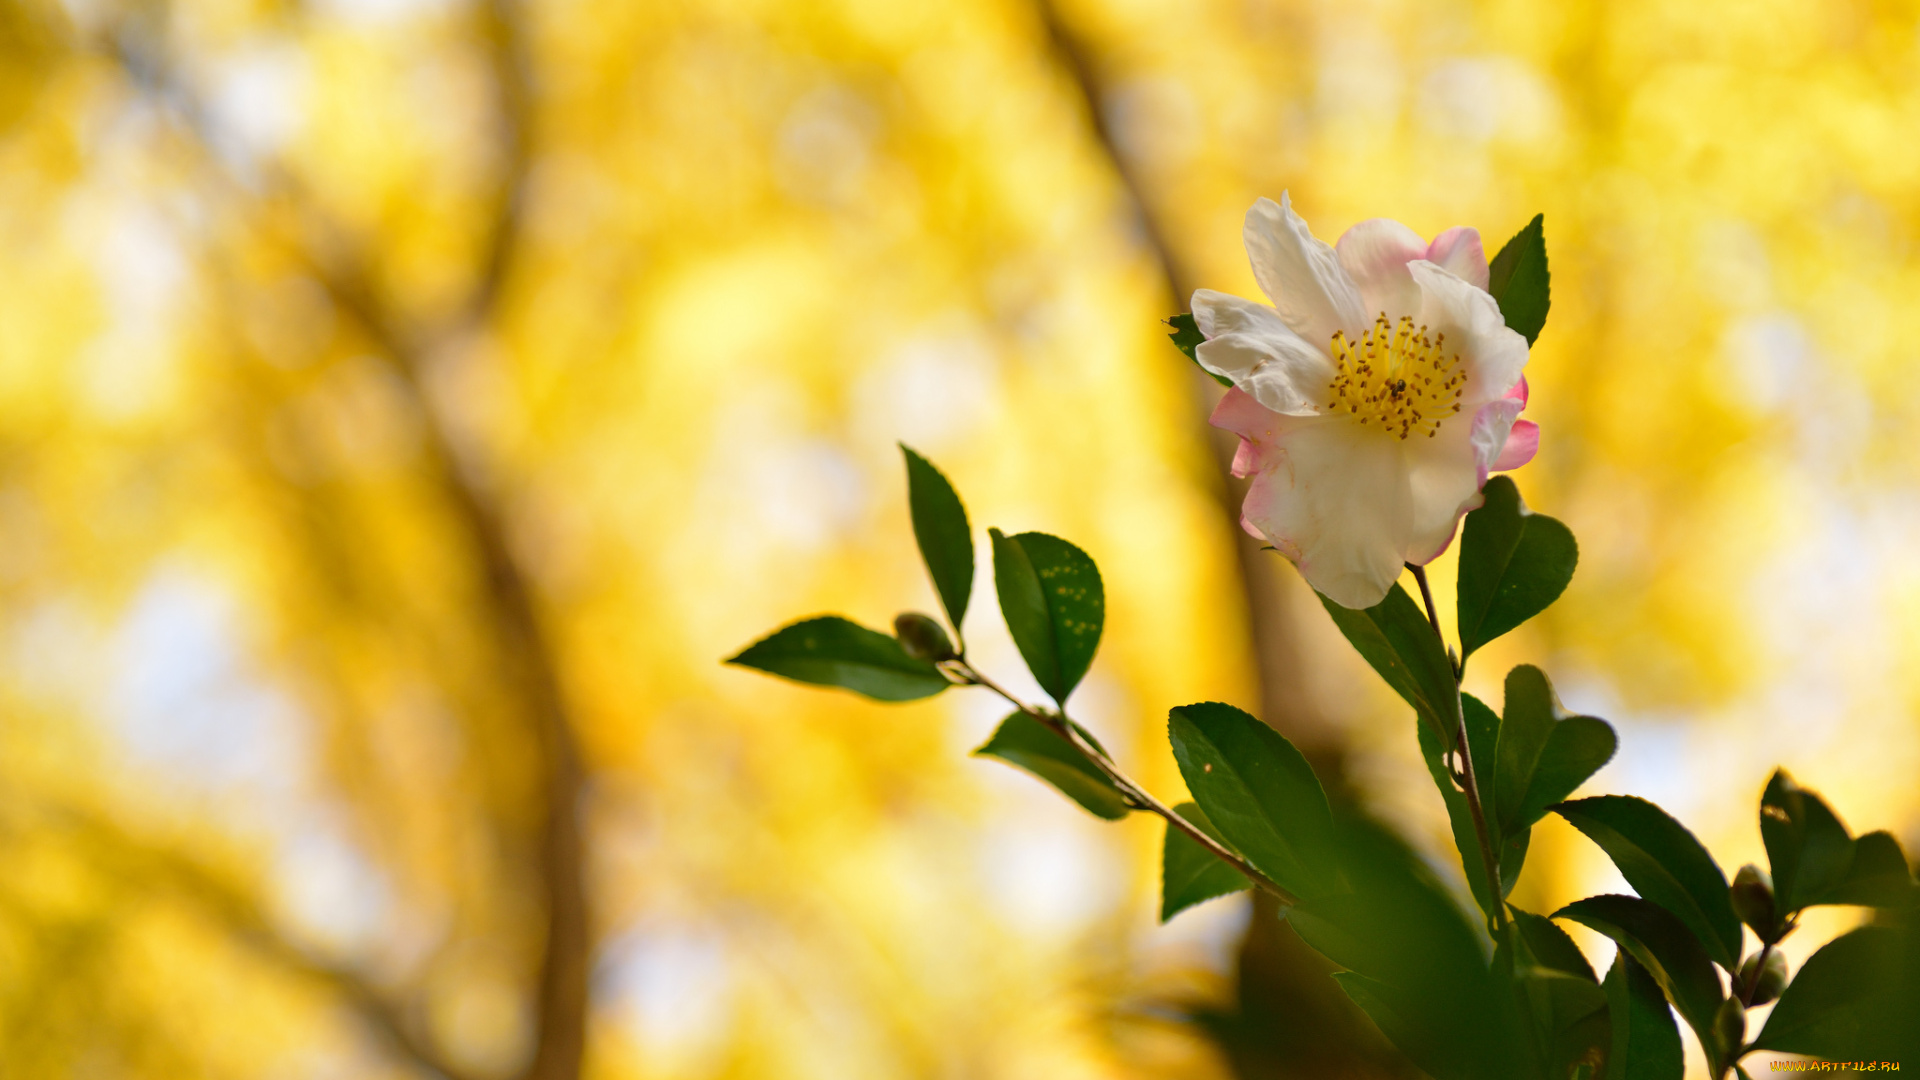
pixel 1395 377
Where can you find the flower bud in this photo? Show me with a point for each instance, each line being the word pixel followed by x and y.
pixel 921 637
pixel 1752 896
pixel 1773 977
pixel 1730 1025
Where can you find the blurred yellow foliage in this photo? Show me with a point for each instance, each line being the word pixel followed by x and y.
pixel 406 404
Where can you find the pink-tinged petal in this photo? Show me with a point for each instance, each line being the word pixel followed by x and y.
pixel 1245 459
pixel 1492 424
pixel 1443 480
pixel 1300 274
pixel 1248 344
pixel 1375 255
pixel 1458 252
pixel 1492 355
pixel 1334 497
pixel 1522 443
pixel 1519 391
pixel 1241 414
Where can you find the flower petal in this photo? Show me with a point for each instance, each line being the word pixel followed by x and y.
pixel 1375 254
pixel 1251 346
pixel 1458 252
pixel 1300 274
pixel 1519 391
pixel 1492 354
pixel 1334 497
pixel 1522 443
pixel 1491 427
pixel 1246 459
pixel 1444 475
pixel 1218 314
pixel 1239 413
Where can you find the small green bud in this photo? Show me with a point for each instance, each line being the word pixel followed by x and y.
pixel 1773 977
pixel 1752 896
pixel 922 638
pixel 1730 1026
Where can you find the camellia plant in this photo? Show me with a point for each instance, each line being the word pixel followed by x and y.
pixel 1373 399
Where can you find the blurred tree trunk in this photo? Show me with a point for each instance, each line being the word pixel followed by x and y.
pixel 526 662
pixel 1290 1019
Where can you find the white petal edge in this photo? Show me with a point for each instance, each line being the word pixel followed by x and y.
pixel 1375 254
pixel 1492 354
pixel 1300 274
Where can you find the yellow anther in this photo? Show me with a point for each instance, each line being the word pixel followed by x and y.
pixel 1409 389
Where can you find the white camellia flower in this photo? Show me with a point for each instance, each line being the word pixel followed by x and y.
pixel 1372 399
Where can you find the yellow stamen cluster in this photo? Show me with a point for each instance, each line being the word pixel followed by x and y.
pixel 1395 377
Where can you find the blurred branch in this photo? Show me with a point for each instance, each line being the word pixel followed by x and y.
pixel 1271 627
pixel 527 655
pixel 145 864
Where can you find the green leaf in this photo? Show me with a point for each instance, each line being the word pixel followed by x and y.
pixel 1190 873
pixel 1877 877
pixel 1396 925
pixel 1188 338
pixel 1543 754
pixel 1809 850
pixel 1054 604
pixel 1646 1041
pixel 940 526
pixel 1023 741
pixel 1665 864
pixel 1397 640
pixel 1513 563
pixel 1665 947
pixel 1550 945
pixel 1482 729
pixel 1519 281
pixel 1848 1002
pixel 1259 791
pixel 832 651
pixel 1429 1037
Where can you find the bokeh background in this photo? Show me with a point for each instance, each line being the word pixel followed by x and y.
pixel 406 404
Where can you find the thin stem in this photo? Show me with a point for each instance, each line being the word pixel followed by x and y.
pixel 1469 779
pixel 1057 723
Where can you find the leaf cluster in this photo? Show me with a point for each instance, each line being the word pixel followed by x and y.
pixel 1503 993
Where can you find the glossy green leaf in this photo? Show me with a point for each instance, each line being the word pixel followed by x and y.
pixel 1396 639
pixel 1519 280
pixel 1877 877
pixel 1543 754
pixel 1187 338
pixel 1259 791
pixel 1848 1001
pixel 1567 1005
pixel 1646 1041
pixel 940 526
pixel 1054 604
pixel 832 651
pixel 1189 873
pixel 1665 864
pixel 1397 926
pixel 1430 1037
pixel 1664 946
pixel 1808 848
pixel 1482 730
pixel 1513 563
pixel 1550 945
pixel 1023 741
